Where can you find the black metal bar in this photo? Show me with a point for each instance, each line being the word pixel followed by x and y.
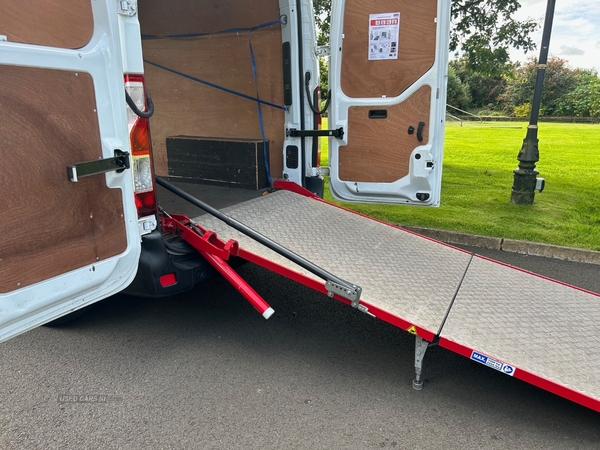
pixel 286 253
pixel 293 132
pixel 85 169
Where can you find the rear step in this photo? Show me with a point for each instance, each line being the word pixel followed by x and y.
pixel 444 296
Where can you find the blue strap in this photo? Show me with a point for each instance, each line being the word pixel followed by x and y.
pixel 221 88
pixel 260 116
pixel 229 30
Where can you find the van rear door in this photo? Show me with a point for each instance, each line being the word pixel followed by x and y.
pixel 388 73
pixel 67 238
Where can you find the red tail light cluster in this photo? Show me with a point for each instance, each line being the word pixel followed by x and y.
pixel 141 148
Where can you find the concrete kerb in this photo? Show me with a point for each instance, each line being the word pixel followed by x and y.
pixel 510 245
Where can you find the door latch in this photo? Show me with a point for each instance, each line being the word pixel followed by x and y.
pixel 85 169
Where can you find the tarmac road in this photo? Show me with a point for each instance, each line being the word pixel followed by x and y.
pixel 205 371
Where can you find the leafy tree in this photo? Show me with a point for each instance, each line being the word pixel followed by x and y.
pixel 482 29
pixel 458 93
pixel 560 80
pixel 483 90
pixel 323 76
pixel 584 99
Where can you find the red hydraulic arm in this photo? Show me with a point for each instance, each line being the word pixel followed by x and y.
pixel 216 252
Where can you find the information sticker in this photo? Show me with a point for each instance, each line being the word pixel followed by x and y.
pixel 493 363
pixel 384 31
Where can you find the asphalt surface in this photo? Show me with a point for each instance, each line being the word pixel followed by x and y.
pixel 204 370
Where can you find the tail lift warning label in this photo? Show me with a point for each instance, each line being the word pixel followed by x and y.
pixel 384 30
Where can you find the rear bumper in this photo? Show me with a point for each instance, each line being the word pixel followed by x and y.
pixel 161 257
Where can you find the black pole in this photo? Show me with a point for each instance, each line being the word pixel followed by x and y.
pixel 525 177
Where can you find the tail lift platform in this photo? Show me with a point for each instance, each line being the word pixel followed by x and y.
pixel 521 324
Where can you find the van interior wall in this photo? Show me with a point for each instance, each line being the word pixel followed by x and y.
pixel 189 108
pixel 53 23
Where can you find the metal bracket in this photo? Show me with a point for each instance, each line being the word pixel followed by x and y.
pixel 85 169
pixel 352 294
pixel 293 132
pixel 324 171
pixel 421 346
pixel 127 7
pixel 323 50
pixel 321 171
pixel 364 309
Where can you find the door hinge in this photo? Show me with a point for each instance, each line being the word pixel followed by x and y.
pixel 320 171
pixel 323 50
pixel 85 169
pixel 293 132
pixel 127 7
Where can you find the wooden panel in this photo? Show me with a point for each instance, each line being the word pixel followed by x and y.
pixel 160 17
pixel 379 150
pixel 233 162
pixel 49 225
pixel 53 23
pixel 416 50
pixel 185 107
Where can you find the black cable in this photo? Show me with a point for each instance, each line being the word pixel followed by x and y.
pixel 308 96
pixel 136 110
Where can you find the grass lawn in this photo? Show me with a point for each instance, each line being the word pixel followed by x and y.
pixel 477 178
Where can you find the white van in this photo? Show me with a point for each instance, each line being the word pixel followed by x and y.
pixel 77 193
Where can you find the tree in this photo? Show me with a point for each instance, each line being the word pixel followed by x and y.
pixel 559 81
pixel 483 90
pixel 458 92
pixel 584 99
pixel 482 29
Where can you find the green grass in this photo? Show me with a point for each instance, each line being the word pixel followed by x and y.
pixel 477 178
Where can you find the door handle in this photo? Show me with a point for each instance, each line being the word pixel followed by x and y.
pixel 420 131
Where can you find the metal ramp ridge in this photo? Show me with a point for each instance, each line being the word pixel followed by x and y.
pixel 532 328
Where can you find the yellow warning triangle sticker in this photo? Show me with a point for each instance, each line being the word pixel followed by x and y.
pixel 412 330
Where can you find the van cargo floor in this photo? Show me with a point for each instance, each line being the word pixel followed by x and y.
pixel 524 325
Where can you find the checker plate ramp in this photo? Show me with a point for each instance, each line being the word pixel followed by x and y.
pixel 536 329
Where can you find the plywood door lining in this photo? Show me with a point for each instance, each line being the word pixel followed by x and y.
pixel 160 17
pixel 50 225
pixel 53 23
pixel 185 107
pixel 361 78
pixel 379 150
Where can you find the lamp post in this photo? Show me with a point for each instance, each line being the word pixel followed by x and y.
pixel 525 177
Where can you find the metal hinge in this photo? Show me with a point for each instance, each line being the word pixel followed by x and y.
pixel 321 171
pixel 127 7
pixel 85 169
pixel 293 132
pixel 323 50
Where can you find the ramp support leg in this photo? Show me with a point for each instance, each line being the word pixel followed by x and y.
pixel 420 349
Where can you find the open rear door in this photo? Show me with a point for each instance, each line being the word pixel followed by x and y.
pixel 388 74
pixel 66 239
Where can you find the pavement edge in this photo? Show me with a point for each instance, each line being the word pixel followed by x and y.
pixel 510 245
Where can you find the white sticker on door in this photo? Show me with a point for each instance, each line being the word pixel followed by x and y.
pixel 384 30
